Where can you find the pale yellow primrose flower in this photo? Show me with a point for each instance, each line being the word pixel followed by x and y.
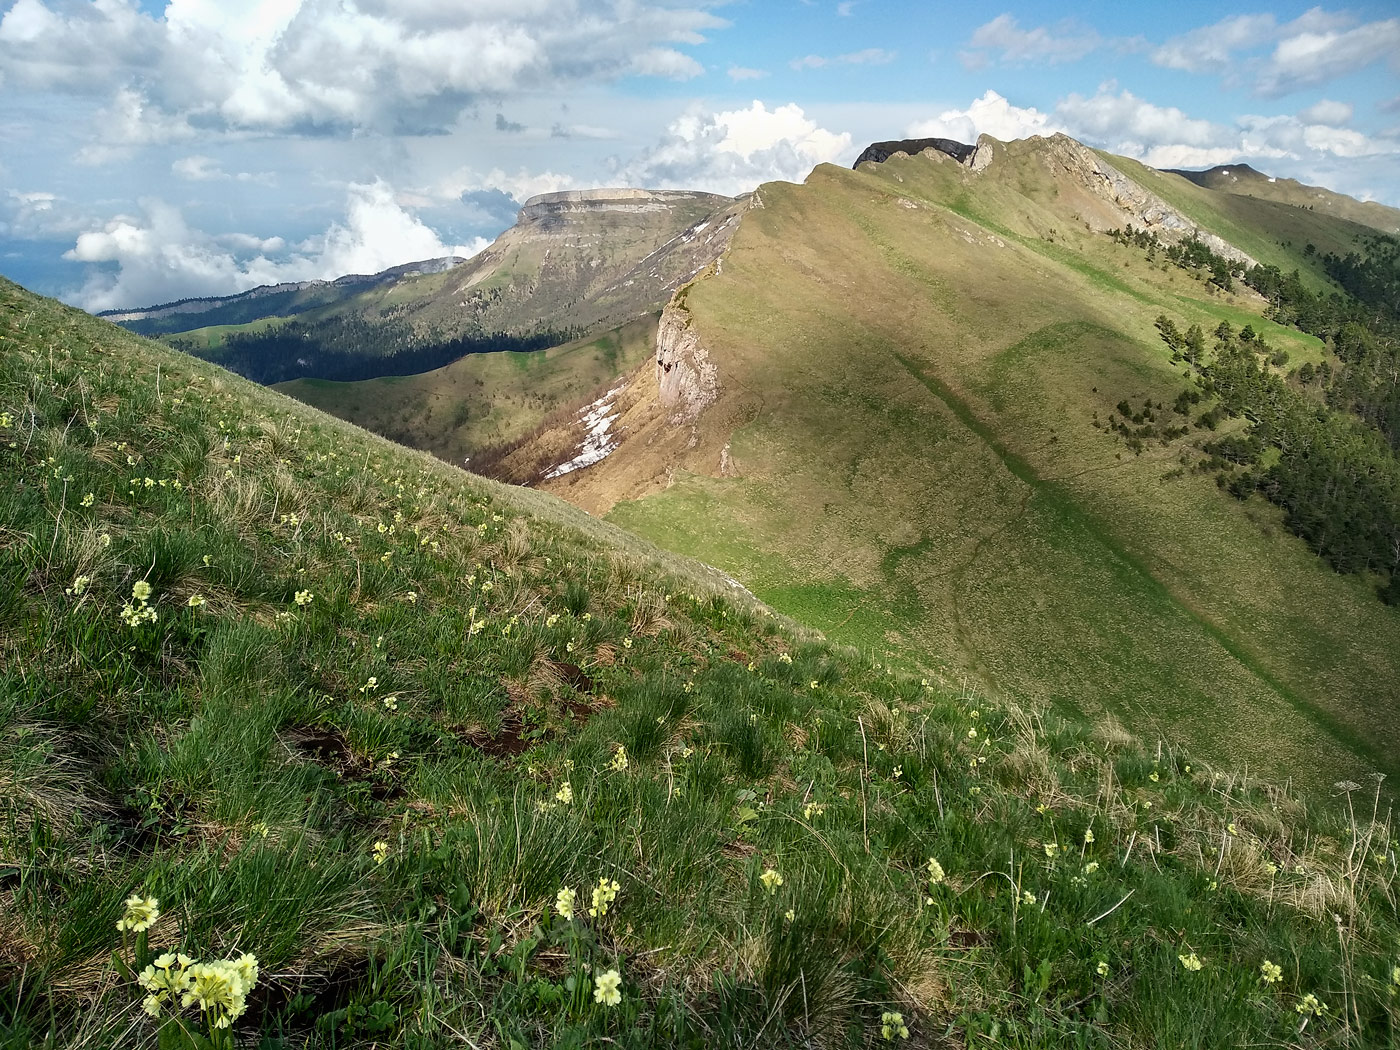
pixel 892 1024
pixel 603 895
pixel 141 914
pixel 1270 972
pixel 1190 962
pixel 771 880
pixel 221 988
pixel 608 989
pixel 1310 1006
pixel 564 903
pixel 140 590
pixel 565 794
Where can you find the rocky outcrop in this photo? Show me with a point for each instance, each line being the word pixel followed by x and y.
pixel 879 152
pixel 687 379
pixel 1136 205
pixel 561 207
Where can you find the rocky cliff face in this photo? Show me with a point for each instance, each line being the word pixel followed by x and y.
pixel 1135 204
pixel 568 205
pixel 686 378
pixel 591 258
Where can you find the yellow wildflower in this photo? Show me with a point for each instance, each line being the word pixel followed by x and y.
pixel 1101 969
pixel 564 903
pixel 619 759
pixel 1310 1006
pixel 140 590
pixel 892 1024
pixel 771 880
pixel 935 872
pixel 1270 972
pixel 608 989
pixel 603 895
pixel 304 598
pixel 141 914
pixel 565 794
pixel 1190 962
pixel 381 852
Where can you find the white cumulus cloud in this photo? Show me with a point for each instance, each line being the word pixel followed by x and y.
pixel 731 152
pixel 1003 39
pixel 990 115
pixel 157 256
pixel 1326 111
pixel 295 65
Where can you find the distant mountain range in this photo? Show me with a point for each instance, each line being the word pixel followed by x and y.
pixel 1246 181
pixel 576 263
pixel 987 402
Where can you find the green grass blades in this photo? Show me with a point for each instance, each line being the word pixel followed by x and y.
pixel 361 751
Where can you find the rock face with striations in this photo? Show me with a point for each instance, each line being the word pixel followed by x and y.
pixel 879 152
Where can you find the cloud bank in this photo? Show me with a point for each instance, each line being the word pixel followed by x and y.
pixel 158 257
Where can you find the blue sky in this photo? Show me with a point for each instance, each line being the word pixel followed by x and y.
pixel 151 151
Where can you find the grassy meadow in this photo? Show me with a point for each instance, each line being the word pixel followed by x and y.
pixel 918 366
pixel 351 750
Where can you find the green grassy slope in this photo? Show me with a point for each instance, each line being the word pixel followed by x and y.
pixel 340 707
pixel 915 359
pixel 1244 181
pixel 481 399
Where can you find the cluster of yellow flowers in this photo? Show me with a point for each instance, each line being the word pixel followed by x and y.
pixel 220 989
pixel 603 895
pixel 564 903
pixel 1190 962
pixel 619 759
pixel 304 598
pixel 137 613
pixel 141 914
pixel 1311 1006
pixel 771 880
pixel 892 1024
pixel 607 989
pixel 1270 972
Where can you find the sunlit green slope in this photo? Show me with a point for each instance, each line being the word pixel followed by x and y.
pixel 917 365
pixel 430 762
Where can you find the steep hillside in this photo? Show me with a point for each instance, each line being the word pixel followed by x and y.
pixel 310 741
pixel 485 399
pixel 266 301
pixel 1247 182
pixel 893 411
pixel 576 263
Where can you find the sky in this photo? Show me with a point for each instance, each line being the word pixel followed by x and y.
pixel 152 151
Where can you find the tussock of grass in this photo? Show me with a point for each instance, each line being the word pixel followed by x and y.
pixel 351 759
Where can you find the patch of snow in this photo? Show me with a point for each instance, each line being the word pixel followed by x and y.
pixel 597 443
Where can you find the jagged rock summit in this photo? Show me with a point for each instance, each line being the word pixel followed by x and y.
pixel 879 152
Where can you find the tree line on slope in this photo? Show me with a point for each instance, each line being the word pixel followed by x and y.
pixel 1336 478
pixel 351 348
